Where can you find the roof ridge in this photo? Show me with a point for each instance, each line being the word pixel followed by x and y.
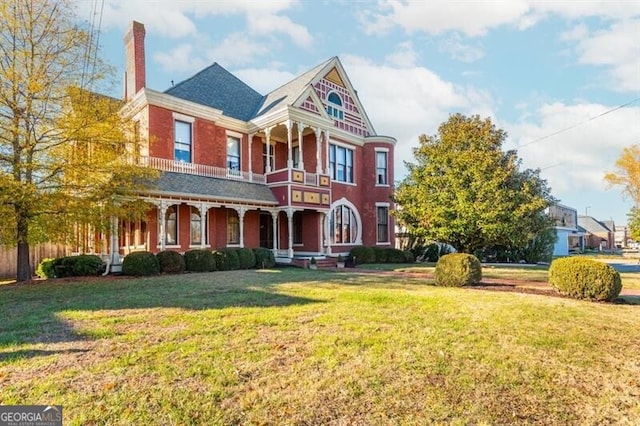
pixel 213 65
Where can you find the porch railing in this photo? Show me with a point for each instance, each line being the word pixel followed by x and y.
pixel 200 170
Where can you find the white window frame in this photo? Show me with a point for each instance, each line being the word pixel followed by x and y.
pixel 340 203
pixel 239 137
pixel 384 151
pixel 335 111
pixel 332 165
pixel 188 120
pixel 388 241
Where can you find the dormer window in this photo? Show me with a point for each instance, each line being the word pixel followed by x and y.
pixel 334 106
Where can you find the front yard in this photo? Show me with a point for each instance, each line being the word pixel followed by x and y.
pixel 290 346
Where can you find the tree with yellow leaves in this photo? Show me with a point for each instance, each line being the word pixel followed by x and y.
pixel 627 175
pixel 64 155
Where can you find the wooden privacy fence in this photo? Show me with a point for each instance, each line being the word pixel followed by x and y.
pixel 9 256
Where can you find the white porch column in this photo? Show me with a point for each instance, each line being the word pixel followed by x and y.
pixel 114 245
pixel 290 213
pixel 300 151
pixel 289 125
pixel 203 225
pixel 318 150
pixel 274 217
pixel 250 162
pixel 267 133
pixel 241 212
pixel 327 230
pixel 162 211
pixel 326 139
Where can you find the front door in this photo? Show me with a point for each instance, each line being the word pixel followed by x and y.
pixel 266 230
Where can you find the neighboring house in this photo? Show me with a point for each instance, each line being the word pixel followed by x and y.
pixel 569 237
pixel 300 170
pixel 623 236
pixel 598 235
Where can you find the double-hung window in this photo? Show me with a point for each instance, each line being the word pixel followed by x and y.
pixel 171 225
pixel 182 145
pixel 381 168
pixel 383 224
pixel 233 153
pixel 233 227
pixel 341 163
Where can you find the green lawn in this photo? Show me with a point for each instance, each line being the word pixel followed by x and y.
pixel 295 346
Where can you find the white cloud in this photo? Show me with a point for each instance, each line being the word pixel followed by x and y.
pixel 464 52
pixel 271 23
pixel 180 59
pixel 576 159
pixel 617 47
pixel 472 18
pixel 404 55
pixel 475 18
pixel 576 33
pixel 405 102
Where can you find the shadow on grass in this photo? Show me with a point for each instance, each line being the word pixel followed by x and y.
pixel 10 356
pixel 30 313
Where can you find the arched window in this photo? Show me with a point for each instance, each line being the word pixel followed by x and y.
pixel 171 225
pixel 334 106
pixel 344 224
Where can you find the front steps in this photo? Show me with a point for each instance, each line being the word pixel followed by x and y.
pixel 321 263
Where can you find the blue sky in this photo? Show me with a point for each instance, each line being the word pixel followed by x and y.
pixel 535 67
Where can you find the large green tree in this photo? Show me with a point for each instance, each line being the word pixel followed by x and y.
pixel 464 190
pixel 63 148
pixel 627 176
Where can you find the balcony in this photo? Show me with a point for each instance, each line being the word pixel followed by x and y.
pixel 296 187
pixel 200 170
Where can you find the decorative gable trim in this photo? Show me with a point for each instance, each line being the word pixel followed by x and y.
pixel 309 100
pixel 334 77
pixel 332 72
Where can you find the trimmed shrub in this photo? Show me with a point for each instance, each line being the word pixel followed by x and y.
pixel 233 259
pixel 140 263
pixel 408 256
pixel 362 254
pixel 220 257
pixel 379 254
pixel 394 255
pixel 582 278
pixel 227 259
pixel 83 265
pixel 199 260
pixel 246 258
pixel 457 270
pixel 432 253
pixel 46 269
pixel 171 262
pixel 264 258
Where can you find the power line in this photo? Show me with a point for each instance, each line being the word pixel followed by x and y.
pixel 579 124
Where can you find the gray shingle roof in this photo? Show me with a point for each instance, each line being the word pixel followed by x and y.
pixel 214 188
pixel 216 87
pixel 592 225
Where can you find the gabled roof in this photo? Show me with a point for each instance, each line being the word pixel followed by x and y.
pixel 216 87
pixel 592 225
pixel 219 190
pixel 289 93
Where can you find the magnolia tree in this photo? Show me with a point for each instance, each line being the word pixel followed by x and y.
pixel 63 150
pixel 464 190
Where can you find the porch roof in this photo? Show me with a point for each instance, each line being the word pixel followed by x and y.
pixel 216 189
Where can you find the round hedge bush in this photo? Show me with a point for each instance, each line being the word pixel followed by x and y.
pixel 199 260
pixel 140 263
pixel 582 278
pixel 264 258
pixel 78 266
pixel 246 258
pixel 227 259
pixel 379 254
pixel 457 270
pixel 409 256
pixel 46 269
pixel 362 254
pixel 171 262
pixel 394 255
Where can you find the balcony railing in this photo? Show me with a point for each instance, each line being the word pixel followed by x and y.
pixel 200 170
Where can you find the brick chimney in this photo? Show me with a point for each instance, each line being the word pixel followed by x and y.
pixel 134 74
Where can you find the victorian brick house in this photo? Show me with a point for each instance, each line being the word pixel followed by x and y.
pixel 300 170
